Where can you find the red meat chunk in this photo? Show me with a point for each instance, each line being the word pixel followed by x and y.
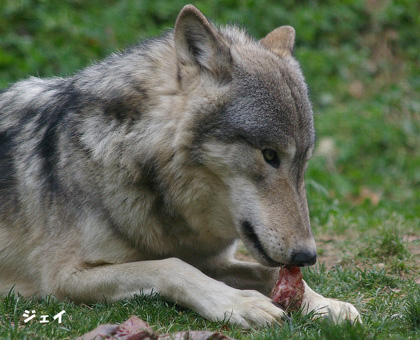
pixel 289 289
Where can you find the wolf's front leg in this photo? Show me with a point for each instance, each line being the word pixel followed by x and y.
pixel 337 311
pixel 243 275
pixel 176 281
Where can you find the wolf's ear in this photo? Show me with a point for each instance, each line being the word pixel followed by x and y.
pixel 280 41
pixel 198 43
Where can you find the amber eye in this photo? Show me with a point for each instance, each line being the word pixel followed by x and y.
pixel 271 157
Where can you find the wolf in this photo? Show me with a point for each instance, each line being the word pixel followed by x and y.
pixel 140 173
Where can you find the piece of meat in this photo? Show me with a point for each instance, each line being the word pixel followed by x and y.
pixel 136 329
pixel 289 289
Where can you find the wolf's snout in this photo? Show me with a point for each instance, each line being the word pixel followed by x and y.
pixel 303 258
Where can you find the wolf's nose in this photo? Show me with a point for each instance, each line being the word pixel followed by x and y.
pixel 303 258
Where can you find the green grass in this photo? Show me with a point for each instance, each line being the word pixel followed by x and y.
pixel 388 312
pixel 411 312
pixel 361 61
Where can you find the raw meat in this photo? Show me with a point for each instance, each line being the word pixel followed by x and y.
pixel 289 289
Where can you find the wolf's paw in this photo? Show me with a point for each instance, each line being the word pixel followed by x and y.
pixel 335 310
pixel 339 311
pixel 246 308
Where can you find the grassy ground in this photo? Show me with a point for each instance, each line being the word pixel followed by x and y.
pixel 361 60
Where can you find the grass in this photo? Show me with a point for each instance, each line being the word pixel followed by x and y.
pixel 361 61
pixel 411 312
pixel 388 312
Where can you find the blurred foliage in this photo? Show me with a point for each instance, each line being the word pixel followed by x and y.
pixel 336 41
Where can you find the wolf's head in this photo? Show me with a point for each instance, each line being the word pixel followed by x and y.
pixel 253 130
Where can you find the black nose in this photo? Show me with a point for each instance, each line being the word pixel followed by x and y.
pixel 303 258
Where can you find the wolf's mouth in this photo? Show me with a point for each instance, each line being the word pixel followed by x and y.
pixel 249 233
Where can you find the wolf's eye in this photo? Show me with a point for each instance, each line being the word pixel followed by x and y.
pixel 271 157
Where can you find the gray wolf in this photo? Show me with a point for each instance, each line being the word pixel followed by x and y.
pixel 140 172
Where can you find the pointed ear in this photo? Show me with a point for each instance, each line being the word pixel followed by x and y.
pixel 281 41
pixel 198 43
